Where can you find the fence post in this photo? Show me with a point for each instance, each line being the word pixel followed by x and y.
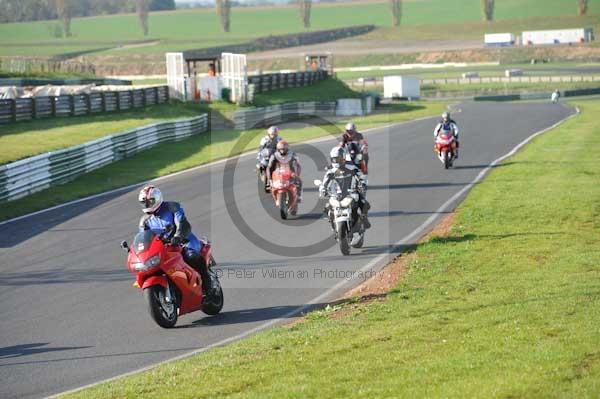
pixel 118 97
pixel 166 94
pixel 72 104
pixel 144 97
pixel 102 102
pixel 88 103
pixel 156 95
pixel 13 109
pixel 33 108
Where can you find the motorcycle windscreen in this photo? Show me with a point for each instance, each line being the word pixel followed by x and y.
pixel 142 241
pixel 342 185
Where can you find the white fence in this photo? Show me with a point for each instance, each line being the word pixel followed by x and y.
pixel 33 174
pixel 370 82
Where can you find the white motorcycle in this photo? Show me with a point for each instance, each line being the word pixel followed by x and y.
pixel 343 212
pixel 262 161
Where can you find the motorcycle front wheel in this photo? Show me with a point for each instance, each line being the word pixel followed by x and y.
pixel 283 210
pixel 343 239
pixel 446 156
pixel 163 313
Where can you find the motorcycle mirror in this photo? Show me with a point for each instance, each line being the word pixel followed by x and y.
pixel 317 182
pixel 125 246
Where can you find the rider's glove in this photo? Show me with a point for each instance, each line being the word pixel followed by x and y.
pixel 176 240
pixel 322 192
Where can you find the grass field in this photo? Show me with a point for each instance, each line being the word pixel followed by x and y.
pixel 173 157
pixel 507 305
pixel 186 29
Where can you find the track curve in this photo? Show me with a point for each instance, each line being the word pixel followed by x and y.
pixel 69 316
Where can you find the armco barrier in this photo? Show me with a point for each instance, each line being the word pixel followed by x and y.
pixel 23 109
pixel 539 95
pixel 264 116
pixel 29 175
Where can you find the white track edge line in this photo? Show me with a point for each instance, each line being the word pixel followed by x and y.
pixel 342 283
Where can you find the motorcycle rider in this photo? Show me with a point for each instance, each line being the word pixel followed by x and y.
pixel 284 155
pixel 159 214
pixel 351 135
pixel 349 178
pixel 447 124
pixel 269 141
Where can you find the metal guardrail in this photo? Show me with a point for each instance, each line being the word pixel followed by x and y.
pixel 263 116
pixel 274 81
pixel 33 174
pixel 24 109
pixel 63 82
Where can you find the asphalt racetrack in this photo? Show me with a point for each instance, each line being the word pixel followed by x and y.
pixel 70 316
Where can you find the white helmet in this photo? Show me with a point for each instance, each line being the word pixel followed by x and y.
pixel 446 116
pixel 151 199
pixel 350 127
pixel 273 131
pixel 337 156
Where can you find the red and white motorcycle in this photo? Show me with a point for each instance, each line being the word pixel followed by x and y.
pixel 445 148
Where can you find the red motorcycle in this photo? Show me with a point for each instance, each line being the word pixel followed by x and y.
pixel 284 190
pixel 445 146
pixel 171 287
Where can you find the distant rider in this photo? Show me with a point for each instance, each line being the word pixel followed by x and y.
pixel 447 124
pixel 351 135
pixel 269 141
pixel 555 96
pixel 348 178
pixel 159 214
pixel 283 155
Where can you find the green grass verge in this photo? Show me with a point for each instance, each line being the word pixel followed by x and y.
pixel 505 306
pixel 25 139
pixel 173 157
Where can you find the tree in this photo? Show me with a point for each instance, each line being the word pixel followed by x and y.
pixel 224 11
pixel 64 10
pixel 396 11
pixel 304 6
pixel 142 12
pixel 582 6
pixel 160 5
pixel 488 9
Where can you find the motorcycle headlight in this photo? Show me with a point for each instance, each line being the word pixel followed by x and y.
pixel 346 202
pixel 334 202
pixel 152 262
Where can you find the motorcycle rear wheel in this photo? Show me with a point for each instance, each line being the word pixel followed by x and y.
pixel 215 303
pixel 165 315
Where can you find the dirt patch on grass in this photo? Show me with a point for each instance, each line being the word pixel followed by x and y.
pixel 377 287
pixel 387 278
